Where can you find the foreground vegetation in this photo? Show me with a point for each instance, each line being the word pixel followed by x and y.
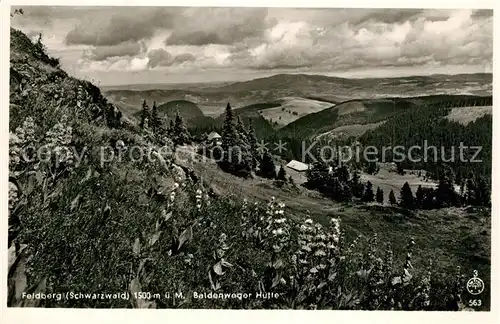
pixel 77 224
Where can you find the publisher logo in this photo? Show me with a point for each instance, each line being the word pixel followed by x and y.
pixel 475 285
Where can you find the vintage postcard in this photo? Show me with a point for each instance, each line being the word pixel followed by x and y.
pixel 250 158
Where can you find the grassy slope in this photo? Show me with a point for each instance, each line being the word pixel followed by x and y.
pixel 75 234
pixel 440 235
pixel 293 108
pixel 353 130
pixel 465 115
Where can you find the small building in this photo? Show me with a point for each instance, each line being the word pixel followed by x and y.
pixel 215 138
pixel 297 166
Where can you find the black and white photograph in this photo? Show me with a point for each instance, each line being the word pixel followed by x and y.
pixel 255 158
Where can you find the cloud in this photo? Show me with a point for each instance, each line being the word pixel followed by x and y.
pixel 184 57
pixel 101 53
pixel 45 15
pixel 196 40
pixel 387 16
pixel 203 26
pixel 419 40
pixel 109 28
pixel 115 64
pixel 160 58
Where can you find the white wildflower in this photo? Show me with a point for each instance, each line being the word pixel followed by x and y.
pixel 120 145
pixel 321 237
pixel 320 253
pixel 306 248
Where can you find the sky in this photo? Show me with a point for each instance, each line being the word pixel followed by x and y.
pixel 133 45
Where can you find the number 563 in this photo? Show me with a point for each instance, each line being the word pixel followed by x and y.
pixel 475 302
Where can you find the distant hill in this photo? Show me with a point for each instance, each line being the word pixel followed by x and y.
pixel 443 126
pixel 254 109
pixel 251 114
pixel 341 89
pixel 314 87
pixel 369 111
pixel 189 111
pixel 186 109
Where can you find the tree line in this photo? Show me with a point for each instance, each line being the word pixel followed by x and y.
pixel 339 183
pixel 239 152
pixel 176 129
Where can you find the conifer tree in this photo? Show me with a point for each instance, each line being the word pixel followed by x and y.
pixel 247 159
pixel 145 115
pixel 229 137
pixel 399 168
pixel 429 198
pixel 180 135
pixel 242 133
pixel 229 134
pixel 380 195
pixel 419 197
pixel 406 199
pixel 470 191
pixel 171 127
pixel 237 158
pixel 330 181
pixel 445 192
pixel 281 174
pixel 392 198
pixel 316 175
pixel 356 185
pixel 368 195
pixel 267 167
pixel 252 141
pixel 344 192
pixel 342 173
pixel 372 167
pixel 483 193
pixel 155 120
